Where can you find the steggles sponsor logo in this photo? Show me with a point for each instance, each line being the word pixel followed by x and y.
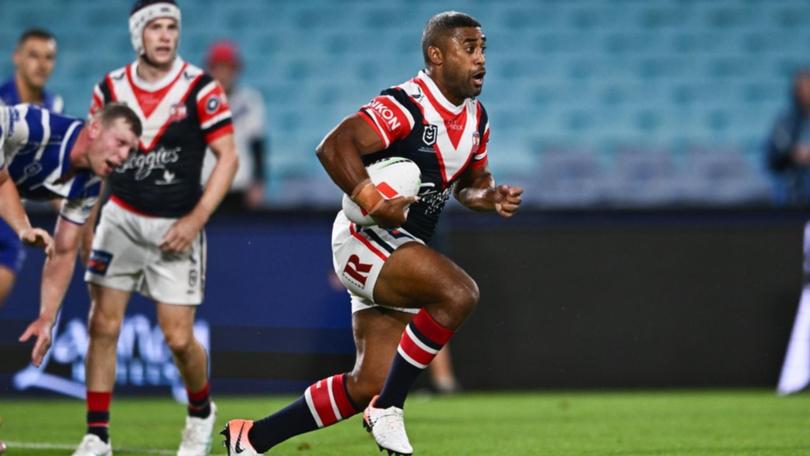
pixel 144 164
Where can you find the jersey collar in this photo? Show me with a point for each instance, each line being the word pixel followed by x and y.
pixel 438 95
pixel 177 67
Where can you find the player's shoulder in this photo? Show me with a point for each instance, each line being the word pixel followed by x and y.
pixel 406 94
pixel 191 72
pixel 118 73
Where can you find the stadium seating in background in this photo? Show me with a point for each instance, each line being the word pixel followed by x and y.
pixel 663 78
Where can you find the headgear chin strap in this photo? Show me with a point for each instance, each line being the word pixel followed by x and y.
pixel 143 13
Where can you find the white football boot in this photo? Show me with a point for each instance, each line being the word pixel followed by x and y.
pixel 236 438
pixel 388 428
pixel 92 445
pixel 197 435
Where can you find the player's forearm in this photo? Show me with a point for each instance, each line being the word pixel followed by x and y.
pixel 477 199
pixel 56 275
pixel 11 208
pixel 340 157
pixel 218 184
pixel 478 194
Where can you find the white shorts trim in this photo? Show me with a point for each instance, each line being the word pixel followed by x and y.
pixel 126 256
pixel 358 255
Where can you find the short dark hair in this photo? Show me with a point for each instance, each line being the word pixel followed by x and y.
pixel 441 26
pixel 35 32
pixel 116 110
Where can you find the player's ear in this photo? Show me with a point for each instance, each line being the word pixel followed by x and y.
pixel 94 128
pixel 435 55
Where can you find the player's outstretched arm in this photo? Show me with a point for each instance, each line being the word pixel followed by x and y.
pixel 185 229
pixel 13 212
pixel 56 275
pixel 476 190
pixel 340 153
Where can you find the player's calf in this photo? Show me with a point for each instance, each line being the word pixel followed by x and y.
pixel 324 403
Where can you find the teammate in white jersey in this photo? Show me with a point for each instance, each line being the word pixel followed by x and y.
pixel 407 299
pixel 150 239
pixel 47 156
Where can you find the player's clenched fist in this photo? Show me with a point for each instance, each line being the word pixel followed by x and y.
pixel 507 200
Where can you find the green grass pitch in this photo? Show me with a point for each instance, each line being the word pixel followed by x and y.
pixel 721 422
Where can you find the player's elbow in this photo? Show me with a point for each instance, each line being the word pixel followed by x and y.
pixel 327 149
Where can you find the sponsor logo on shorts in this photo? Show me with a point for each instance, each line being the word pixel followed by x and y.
pixel 99 262
pixel 356 272
pixel 192 281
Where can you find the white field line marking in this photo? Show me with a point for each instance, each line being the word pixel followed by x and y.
pixel 61 446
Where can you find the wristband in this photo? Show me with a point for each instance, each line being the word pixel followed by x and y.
pixel 366 195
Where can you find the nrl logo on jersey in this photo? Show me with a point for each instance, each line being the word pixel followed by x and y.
pixel 429 134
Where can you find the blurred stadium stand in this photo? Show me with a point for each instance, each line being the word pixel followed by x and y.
pixel 609 102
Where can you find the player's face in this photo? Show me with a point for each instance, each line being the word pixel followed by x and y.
pixel 34 60
pixel 465 62
pixel 225 74
pixel 160 38
pixel 111 145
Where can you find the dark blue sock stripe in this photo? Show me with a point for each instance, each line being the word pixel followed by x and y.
pixel 424 339
pixel 293 420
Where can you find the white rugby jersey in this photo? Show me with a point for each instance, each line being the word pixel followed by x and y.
pixel 36 145
pixel 414 120
pixel 181 114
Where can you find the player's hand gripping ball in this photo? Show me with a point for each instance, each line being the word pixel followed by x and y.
pixel 395 176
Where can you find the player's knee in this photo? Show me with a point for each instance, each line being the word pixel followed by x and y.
pixel 103 328
pixel 179 342
pixel 462 298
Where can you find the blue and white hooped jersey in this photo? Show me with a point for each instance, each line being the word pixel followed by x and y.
pixel 10 96
pixel 36 145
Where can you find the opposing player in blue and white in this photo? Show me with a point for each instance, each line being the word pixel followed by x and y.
pixel 48 156
pixel 34 60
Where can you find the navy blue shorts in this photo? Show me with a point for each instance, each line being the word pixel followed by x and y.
pixel 12 254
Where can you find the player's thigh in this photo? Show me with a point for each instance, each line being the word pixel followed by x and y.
pixel 119 251
pixel 377 332
pixel 177 323
pixel 415 275
pixel 7 277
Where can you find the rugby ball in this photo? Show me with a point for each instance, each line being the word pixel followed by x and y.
pixel 394 176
